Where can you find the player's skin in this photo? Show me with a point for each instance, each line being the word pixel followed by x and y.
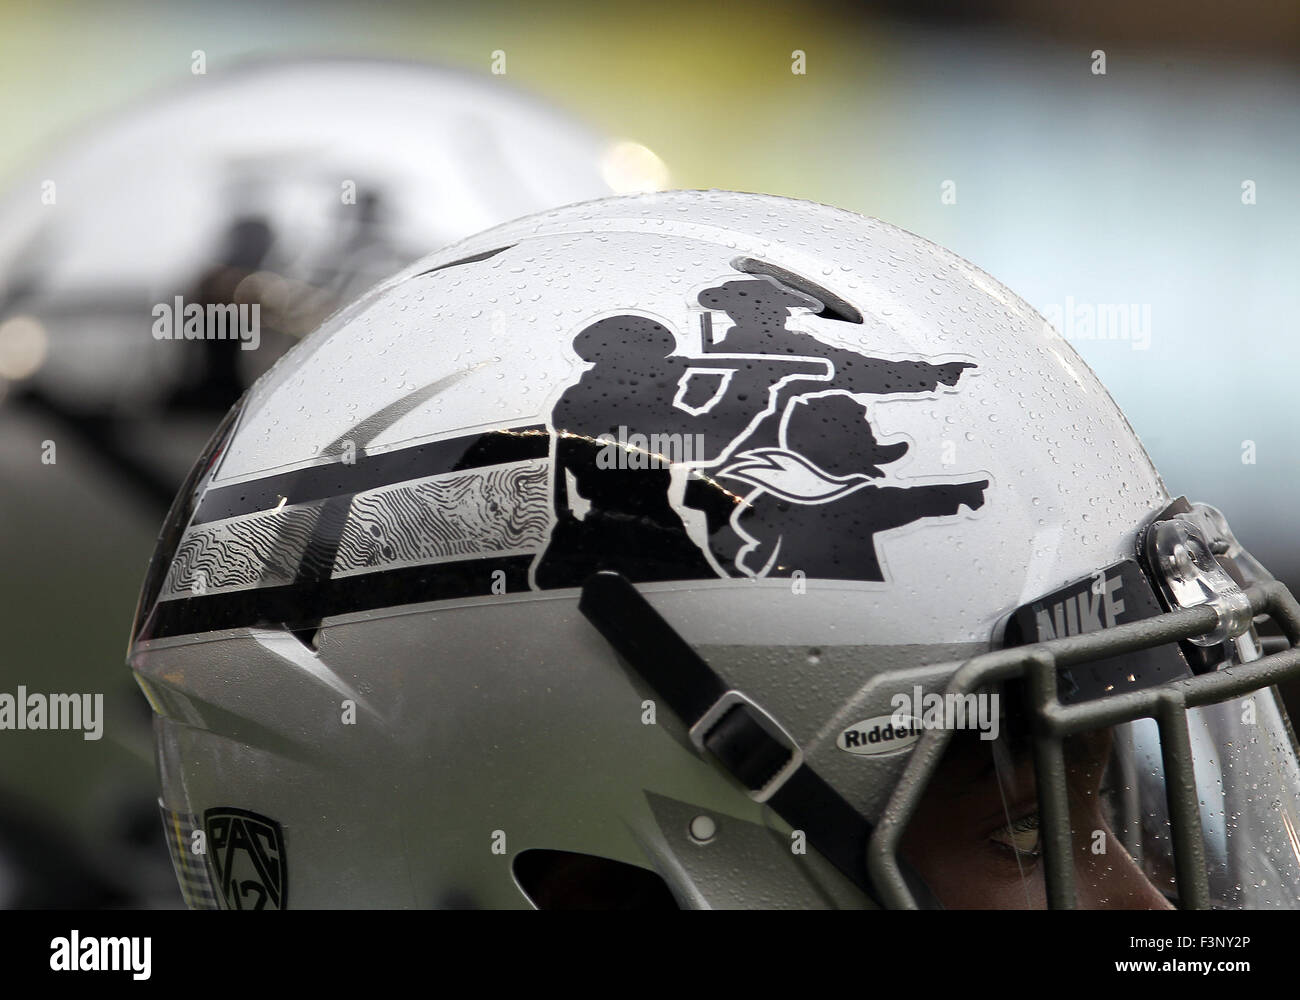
pixel 961 844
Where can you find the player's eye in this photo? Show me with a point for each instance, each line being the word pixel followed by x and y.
pixel 1020 837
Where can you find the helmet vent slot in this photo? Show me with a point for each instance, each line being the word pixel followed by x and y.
pixel 474 259
pixel 833 307
pixel 566 880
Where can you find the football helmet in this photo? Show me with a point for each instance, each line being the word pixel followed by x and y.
pixel 705 549
pixel 282 188
pixel 286 185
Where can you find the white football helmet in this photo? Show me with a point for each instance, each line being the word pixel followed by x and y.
pixel 705 549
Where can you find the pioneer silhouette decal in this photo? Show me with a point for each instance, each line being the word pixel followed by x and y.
pixel 741 449
pixel 736 446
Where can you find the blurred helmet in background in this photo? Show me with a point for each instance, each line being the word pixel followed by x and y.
pixel 148 275
pixel 290 186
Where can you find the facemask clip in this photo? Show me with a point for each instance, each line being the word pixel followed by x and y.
pixel 1184 555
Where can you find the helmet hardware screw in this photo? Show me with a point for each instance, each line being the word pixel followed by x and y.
pixel 703 829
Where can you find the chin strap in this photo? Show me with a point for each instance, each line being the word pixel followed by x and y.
pixel 745 739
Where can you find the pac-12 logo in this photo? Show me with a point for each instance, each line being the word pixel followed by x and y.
pixel 784 475
pixel 246 852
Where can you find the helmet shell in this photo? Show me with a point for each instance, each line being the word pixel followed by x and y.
pixel 869 453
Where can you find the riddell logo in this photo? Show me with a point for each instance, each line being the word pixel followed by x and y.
pixel 880 737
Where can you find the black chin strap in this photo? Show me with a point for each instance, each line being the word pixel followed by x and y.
pixel 749 743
